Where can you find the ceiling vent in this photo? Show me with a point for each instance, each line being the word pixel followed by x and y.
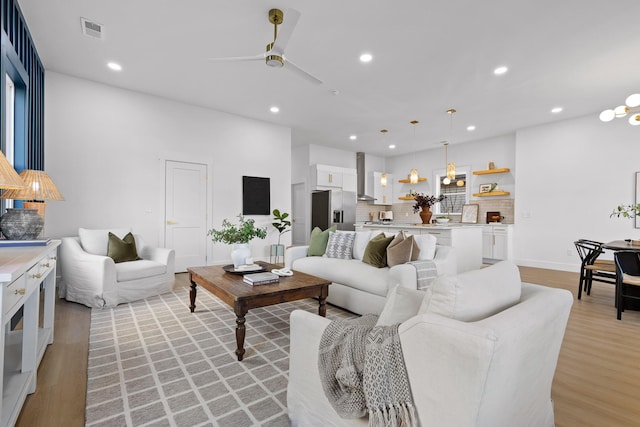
pixel 92 29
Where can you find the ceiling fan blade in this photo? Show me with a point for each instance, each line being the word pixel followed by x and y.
pixel 239 58
pixel 302 73
pixel 285 30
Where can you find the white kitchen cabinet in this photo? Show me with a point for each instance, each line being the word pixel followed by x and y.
pixel 23 272
pixel 497 242
pixel 382 195
pixel 325 176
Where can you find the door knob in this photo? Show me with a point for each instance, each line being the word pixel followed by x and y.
pixel 171 222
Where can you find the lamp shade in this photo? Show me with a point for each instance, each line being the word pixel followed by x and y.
pixel 9 178
pixel 413 176
pixel 39 186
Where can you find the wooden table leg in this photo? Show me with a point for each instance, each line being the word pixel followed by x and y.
pixel 324 293
pixel 192 295
pixel 241 311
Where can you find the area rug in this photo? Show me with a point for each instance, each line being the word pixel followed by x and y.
pixel 154 363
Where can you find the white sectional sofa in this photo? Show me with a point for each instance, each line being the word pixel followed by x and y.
pixel 360 287
pixel 481 351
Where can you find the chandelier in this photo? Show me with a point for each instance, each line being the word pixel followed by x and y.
pixel 631 106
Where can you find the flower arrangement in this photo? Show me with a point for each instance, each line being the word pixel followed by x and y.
pixel 626 211
pixel 423 201
pixel 243 232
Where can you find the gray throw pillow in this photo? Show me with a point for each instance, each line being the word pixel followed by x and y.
pixel 340 244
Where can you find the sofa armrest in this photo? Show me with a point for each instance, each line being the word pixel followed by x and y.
pixel 293 253
pixel 446 260
pixel 84 273
pixel 164 256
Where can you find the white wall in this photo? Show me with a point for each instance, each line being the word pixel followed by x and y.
pixel 103 146
pixel 570 176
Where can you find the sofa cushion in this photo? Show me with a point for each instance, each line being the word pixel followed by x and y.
pixel 318 242
pixel 427 245
pixel 402 304
pixel 97 241
pixel 349 272
pixel 476 294
pixel 340 244
pixel 402 249
pixel 132 270
pixel 376 252
pixel 360 243
pixel 121 250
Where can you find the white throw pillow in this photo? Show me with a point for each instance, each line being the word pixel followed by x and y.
pixel 476 294
pixel 427 245
pixel 402 304
pixel 340 244
pixel 96 241
pixel 360 243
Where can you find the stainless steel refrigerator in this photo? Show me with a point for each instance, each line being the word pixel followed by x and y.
pixel 333 207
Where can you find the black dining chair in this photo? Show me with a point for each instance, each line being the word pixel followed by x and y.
pixel 628 282
pixel 591 268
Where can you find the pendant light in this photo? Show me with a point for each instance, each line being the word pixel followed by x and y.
pixel 631 107
pixel 447 180
pixel 413 175
pixel 383 176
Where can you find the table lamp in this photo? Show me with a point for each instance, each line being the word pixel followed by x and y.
pixel 38 188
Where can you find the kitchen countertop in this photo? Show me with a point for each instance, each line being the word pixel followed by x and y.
pixel 414 225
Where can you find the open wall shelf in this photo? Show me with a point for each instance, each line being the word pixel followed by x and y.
pixel 406 198
pixel 406 181
pixel 492 171
pixel 492 194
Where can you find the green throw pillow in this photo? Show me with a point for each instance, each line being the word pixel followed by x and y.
pixel 318 242
pixel 122 250
pixel 376 251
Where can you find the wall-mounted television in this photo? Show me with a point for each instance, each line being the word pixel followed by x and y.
pixel 256 196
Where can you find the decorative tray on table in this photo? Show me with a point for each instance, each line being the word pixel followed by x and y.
pixel 244 269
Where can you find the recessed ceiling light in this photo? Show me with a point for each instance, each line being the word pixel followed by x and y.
pixel 500 70
pixel 366 57
pixel 353 137
pixel 114 66
pixel 392 146
pixel 471 128
pixel 274 109
pixel 556 110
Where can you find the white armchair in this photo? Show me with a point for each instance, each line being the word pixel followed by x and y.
pixel 493 371
pixel 95 280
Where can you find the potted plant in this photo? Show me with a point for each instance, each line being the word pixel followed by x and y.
pixel 239 235
pixel 282 224
pixel 423 205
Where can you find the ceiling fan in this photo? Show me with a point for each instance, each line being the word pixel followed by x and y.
pixel 274 55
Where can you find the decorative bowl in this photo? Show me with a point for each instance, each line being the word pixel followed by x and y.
pixel 442 220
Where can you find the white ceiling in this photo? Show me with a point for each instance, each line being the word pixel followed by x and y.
pixel 582 55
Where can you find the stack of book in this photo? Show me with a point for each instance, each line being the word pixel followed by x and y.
pixel 255 279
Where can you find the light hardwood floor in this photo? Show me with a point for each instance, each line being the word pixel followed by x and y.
pixel 597 381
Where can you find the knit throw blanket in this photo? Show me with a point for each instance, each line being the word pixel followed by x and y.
pixel 426 272
pixel 362 372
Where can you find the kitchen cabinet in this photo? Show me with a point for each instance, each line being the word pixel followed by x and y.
pixel 497 243
pixel 382 195
pixel 23 272
pixel 325 176
pixel 467 240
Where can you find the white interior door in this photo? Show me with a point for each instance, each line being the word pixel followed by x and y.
pixel 186 212
pixel 299 230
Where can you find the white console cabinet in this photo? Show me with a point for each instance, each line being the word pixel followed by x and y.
pixel 23 272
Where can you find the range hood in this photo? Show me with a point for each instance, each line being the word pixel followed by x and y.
pixel 360 170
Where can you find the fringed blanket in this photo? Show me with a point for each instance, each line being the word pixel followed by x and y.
pixel 362 372
pixel 426 272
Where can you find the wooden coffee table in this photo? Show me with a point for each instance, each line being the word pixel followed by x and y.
pixel 242 297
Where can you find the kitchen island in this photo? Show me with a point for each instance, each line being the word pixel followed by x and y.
pixel 466 239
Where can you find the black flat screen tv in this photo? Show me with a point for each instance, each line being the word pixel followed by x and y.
pixel 256 196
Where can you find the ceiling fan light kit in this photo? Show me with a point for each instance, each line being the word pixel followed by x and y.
pixel 274 55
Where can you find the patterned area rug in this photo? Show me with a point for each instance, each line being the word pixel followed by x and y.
pixel 154 363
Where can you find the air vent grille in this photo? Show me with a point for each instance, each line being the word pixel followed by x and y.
pixel 92 29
